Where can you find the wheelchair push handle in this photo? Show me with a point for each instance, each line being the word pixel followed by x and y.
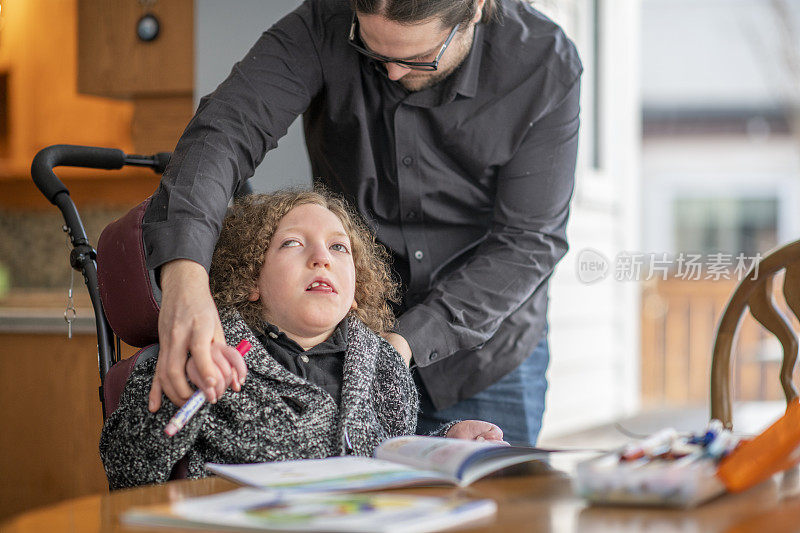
pixel 73 156
pixel 86 157
pixel 158 162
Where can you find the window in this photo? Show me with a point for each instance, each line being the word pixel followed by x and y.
pixel 727 225
pixel 582 20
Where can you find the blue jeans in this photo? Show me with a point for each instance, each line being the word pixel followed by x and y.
pixel 515 403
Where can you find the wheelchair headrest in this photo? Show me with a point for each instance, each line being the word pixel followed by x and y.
pixel 129 292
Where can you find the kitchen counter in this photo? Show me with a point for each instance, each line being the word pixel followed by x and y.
pixel 42 311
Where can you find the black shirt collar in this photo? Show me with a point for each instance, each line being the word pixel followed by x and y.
pixel 337 342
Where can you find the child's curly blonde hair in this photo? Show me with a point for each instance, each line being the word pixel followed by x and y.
pixel 246 235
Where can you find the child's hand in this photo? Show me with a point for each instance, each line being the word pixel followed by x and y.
pixel 230 370
pixel 476 430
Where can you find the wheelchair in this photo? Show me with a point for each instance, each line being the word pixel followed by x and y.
pixel 115 273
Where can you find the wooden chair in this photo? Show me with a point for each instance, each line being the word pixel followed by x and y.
pixel 755 292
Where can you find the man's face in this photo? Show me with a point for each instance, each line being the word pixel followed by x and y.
pixel 416 42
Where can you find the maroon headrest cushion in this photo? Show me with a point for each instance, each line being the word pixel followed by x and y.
pixel 128 290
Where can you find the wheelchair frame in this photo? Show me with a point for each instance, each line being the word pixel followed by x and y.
pixel 83 255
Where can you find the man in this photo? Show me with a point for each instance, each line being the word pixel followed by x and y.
pixel 452 126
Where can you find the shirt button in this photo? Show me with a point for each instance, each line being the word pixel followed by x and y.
pixel 411 215
pixel 418 255
pixel 434 355
pixel 304 358
pixel 407 161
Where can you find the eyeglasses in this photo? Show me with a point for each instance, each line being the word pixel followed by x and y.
pixel 415 65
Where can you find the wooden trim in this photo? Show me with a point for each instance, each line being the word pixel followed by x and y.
pixel 123 188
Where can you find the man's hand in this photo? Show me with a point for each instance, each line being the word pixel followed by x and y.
pixel 189 322
pixel 476 430
pixel 400 344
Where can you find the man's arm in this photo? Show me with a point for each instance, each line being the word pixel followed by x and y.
pixel 527 238
pixel 228 137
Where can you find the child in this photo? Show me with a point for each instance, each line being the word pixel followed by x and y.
pixel 298 276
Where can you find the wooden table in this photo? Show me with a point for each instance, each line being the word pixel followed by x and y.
pixel 533 501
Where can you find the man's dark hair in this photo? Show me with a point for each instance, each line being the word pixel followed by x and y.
pixel 450 12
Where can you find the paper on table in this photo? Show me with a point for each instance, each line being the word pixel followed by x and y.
pixel 253 509
pixel 332 474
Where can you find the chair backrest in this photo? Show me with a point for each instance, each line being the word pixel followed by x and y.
pixel 125 282
pixel 756 293
pixel 130 297
pixel 131 301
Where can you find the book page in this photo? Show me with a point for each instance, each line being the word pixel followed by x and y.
pixel 251 509
pixel 332 474
pixel 432 453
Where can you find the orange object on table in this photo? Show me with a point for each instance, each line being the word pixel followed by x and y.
pixel 776 449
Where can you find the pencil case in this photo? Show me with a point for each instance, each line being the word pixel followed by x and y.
pixel 670 470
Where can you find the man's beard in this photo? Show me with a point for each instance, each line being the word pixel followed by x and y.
pixel 418 80
pixel 423 82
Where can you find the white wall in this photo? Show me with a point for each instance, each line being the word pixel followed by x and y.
pixel 224 32
pixel 594 333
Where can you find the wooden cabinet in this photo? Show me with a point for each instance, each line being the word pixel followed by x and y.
pixel 51 415
pixel 156 76
pixel 114 62
pixel 52 419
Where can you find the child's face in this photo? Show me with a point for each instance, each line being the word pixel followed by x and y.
pixel 307 283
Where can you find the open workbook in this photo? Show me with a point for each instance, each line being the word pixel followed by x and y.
pixel 250 509
pixel 401 461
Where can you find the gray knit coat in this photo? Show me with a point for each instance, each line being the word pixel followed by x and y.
pixel 276 416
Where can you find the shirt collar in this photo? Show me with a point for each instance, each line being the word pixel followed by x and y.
pixel 468 73
pixel 337 342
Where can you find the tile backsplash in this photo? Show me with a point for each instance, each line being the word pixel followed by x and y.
pixel 34 250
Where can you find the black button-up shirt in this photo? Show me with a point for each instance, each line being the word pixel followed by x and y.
pixel 322 365
pixel 468 182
